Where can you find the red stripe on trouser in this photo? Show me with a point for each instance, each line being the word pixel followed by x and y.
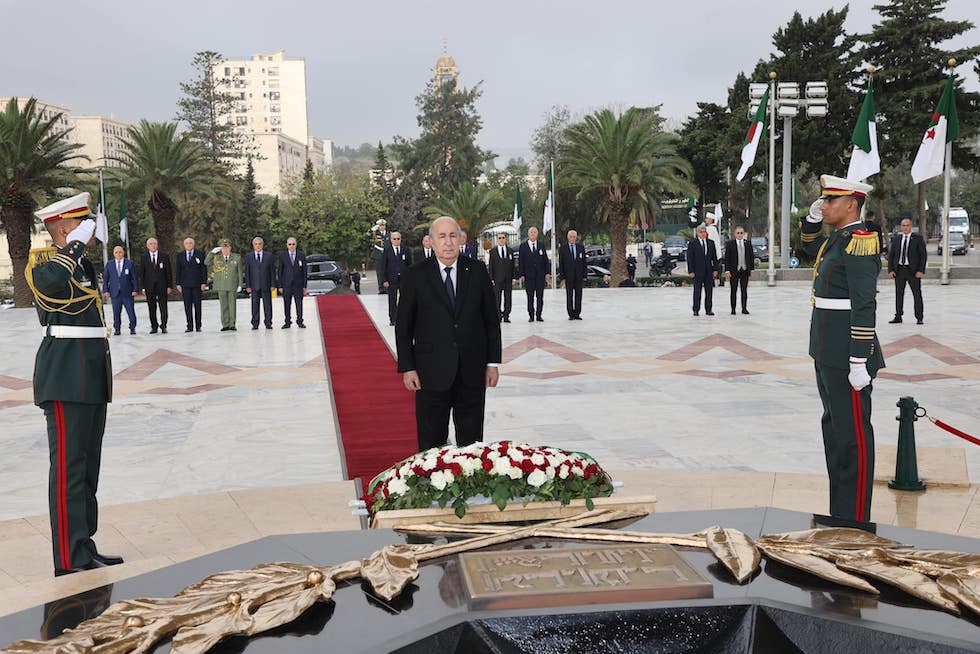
pixel 862 476
pixel 62 486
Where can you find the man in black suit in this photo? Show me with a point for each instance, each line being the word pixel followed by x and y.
pixel 259 281
pixel 702 267
pixel 571 268
pixel 907 265
pixel 157 278
pixel 534 269
pixel 466 249
pixel 502 274
pixel 448 340
pixel 426 250
pixel 292 281
pixel 739 264
pixel 191 277
pixel 394 262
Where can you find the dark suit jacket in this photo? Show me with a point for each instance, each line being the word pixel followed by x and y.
pixel 438 340
pixel 572 271
pixel 292 275
pixel 419 254
pixel 533 265
pixel 917 253
pixel 260 276
pixel 697 262
pixel 731 255
pixel 194 273
pixel 392 267
pixel 117 285
pixel 469 251
pixel 159 277
pixel 502 270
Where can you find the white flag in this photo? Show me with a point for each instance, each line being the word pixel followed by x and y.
pixel 123 232
pixel 101 226
pixel 549 205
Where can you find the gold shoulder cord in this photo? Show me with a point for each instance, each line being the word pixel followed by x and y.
pixel 84 297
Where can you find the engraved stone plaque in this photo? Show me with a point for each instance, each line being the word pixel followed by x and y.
pixel 579 575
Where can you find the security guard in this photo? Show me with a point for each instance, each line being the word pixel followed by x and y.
pixel 843 344
pixel 72 380
pixel 226 275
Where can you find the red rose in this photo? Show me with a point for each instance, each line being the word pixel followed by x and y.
pixel 456 469
pixel 527 466
pixel 487 465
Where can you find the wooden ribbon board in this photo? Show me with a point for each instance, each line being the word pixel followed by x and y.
pixel 608 574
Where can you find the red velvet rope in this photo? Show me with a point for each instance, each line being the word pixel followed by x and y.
pixel 954 431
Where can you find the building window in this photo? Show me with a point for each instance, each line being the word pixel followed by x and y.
pixel 274 72
pixel 273 95
pixel 241 120
pixel 273 108
pixel 241 71
pixel 274 84
pixel 227 71
pixel 275 120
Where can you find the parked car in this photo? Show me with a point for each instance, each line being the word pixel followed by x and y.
pixel 596 271
pixel 321 276
pixel 957 244
pixel 598 257
pixel 760 249
pixel 676 247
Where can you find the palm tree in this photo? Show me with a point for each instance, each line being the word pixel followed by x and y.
pixel 33 157
pixel 162 166
pixel 469 205
pixel 629 163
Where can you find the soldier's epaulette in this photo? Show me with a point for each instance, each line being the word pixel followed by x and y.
pixel 38 256
pixel 863 244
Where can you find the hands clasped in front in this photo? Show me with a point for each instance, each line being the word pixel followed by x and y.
pixel 412 382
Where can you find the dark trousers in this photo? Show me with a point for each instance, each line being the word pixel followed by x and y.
pixel 118 303
pixel 432 414
pixel 265 294
pixel 707 283
pixel 532 294
pixel 573 299
pixel 905 275
pixel 392 302
pixel 192 305
pixel 740 280
pixel 503 290
pixel 293 296
pixel 155 297
pixel 848 443
pixel 75 455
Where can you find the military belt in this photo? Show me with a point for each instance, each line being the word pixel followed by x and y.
pixel 71 331
pixel 834 304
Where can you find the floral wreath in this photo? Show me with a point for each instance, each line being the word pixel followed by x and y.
pixel 488 472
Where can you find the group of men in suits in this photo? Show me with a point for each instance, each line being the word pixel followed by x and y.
pixel 703 261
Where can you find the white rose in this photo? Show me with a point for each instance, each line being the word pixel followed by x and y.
pixel 578 472
pixel 397 487
pixel 448 476
pixel 563 472
pixel 550 472
pixel 470 466
pixel 537 478
pixel 537 459
pixel 515 473
pixel 501 466
pixel 438 480
pixel 428 463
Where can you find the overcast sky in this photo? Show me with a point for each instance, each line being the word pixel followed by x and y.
pixel 367 60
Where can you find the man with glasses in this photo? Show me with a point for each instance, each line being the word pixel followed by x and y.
pixel 292 282
pixel 395 260
pixel 739 264
pixel 502 274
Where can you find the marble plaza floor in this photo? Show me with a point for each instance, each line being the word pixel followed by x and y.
pixel 216 438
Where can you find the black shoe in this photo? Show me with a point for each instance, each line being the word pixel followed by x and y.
pixel 733 312
pixel 919 321
pixel 709 313
pixel 107 559
pixel 94 564
pixel 234 329
pixel 895 320
pixel 745 311
pixel 578 317
pixel 530 319
pixel 153 331
pixel 254 327
pixel 163 329
pixel 189 329
pixel 301 325
pixel 506 319
pixel 696 313
pixel 115 332
pixel 225 329
pixel 286 326
pixel 571 317
pixel 198 328
pixel 132 330
pixel 539 319
pixel 268 326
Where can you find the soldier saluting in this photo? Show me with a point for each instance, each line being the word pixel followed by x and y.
pixel 72 380
pixel 845 350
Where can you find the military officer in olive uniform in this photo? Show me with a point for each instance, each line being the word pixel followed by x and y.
pixel 226 278
pixel 72 380
pixel 843 344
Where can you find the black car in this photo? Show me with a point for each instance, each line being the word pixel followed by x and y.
pixel 322 276
pixel 760 249
pixel 676 247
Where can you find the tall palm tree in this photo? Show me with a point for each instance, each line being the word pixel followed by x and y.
pixel 629 163
pixel 469 205
pixel 162 166
pixel 34 153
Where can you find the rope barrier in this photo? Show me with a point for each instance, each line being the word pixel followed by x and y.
pixel 942 425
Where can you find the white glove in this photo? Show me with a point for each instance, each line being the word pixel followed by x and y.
pixel 239 289
pixel 216 250
pixel 83 233
pixel 858 377
pixel 816 212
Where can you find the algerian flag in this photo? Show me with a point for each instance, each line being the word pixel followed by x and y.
pixel 123 231
pixel 518 209
pixel 943 128
pixel 549 204
pixel 757 132
pixel 101 225
pixel 865 160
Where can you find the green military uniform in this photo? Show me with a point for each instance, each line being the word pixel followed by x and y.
pixel 227 279
pixel 73 385
pixel 842 331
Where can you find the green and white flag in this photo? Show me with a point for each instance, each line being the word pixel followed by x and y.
pixel 518 210
pixel 123 231
pixel 757 132
pixel 549 205
pixel 865 160
pixel 943 128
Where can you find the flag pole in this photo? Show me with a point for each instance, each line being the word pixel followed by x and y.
pixel 772 178
pixel 947 165
pixel 105 246
pixel 554 226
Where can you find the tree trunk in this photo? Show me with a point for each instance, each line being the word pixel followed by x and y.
pixel 618 221
pixel 18 219
pixel 164 213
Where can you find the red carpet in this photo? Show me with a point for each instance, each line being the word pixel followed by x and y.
pixel 375 413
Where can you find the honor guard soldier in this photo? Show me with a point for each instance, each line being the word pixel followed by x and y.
pixel 72 380
pixel 843 344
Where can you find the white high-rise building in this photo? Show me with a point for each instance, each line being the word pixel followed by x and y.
pixel 101 139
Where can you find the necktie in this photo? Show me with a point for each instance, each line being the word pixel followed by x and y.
pixel 704 244
pixel 259 257
pixel 449 287
pixel 501 253
pixel 573 251
pixel 154 258
pixel 396 251
pixel 188 257
pixel 292 257
pixel 905 251
pixel 119 268
pixel 741 255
